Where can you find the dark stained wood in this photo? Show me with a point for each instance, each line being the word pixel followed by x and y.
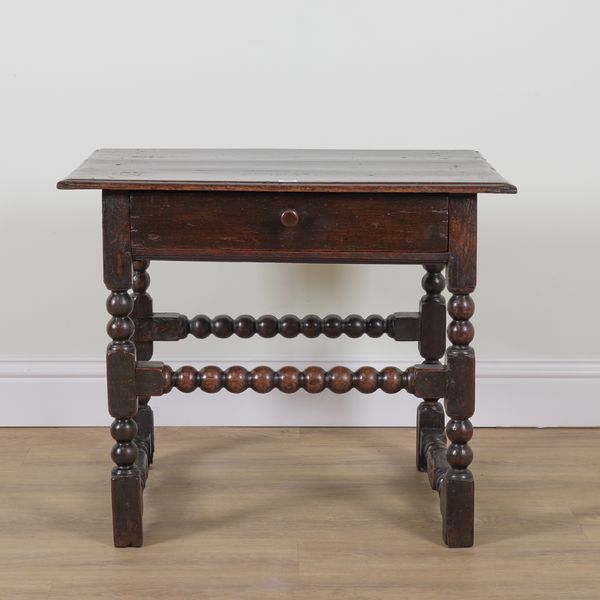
pixel 339 380
pixel 460 358
pixel 427 381
pixel 438 171
pixel 396 207
pixel 289 217
pixel 462 259
pixel 150 378
pixel 161 327
pixel 460 398
pixel 434 449
pixel 126 479
pixel 366 380
pixel 432 312
pixel 127 509
pixel 142 462
pixel 142 309
pixel 316 256
pixel 457 505
pixel 155 378
pixel 145 435
pixel 262 379
pixel 180 225
pixel 404 327
pixel 432 345
pixel 174 326
pixel 430 419
pixel 116 240
pixel 120 356
pixel 457 491
pixel 120 365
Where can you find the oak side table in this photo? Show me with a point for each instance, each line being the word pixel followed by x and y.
pixel 326 206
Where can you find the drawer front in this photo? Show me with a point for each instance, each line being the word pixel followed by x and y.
pixel 289 227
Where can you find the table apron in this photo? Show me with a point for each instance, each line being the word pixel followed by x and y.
pixel 333 227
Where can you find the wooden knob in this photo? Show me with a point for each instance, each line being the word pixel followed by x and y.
pixel 290 218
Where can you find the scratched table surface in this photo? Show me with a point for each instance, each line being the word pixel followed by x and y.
pixel 437 171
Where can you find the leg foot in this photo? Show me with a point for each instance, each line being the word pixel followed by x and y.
pixel 457 497
pixel 127 509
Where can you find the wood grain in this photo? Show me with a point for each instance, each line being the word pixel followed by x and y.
pixel 451 171
pixel 462 259
pixel 230 226
pixel 116 242
pixel 299 514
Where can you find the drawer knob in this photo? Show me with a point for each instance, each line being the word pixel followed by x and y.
pixel 290 217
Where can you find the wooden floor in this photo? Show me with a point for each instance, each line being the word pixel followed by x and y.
pixel 299 514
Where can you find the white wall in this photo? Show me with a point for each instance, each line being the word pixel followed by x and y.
pixel 515 80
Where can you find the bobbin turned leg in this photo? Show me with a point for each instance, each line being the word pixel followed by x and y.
pixel 142 307
pixel 126 479
pixel 432 345
pixel 457 489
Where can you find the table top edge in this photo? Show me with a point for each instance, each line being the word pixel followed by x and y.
pixel 503 187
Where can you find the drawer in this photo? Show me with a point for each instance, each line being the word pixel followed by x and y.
pixel 333 227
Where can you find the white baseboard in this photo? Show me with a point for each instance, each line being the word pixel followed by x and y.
pixel 509 394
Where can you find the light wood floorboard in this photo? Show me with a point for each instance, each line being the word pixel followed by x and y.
pixel 314 513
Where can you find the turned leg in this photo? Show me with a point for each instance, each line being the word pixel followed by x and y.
pixel 457 490
pixel 126 479
pixel 432 345
pixel 142 307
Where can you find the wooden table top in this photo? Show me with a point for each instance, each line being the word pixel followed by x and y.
pixel 432 171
